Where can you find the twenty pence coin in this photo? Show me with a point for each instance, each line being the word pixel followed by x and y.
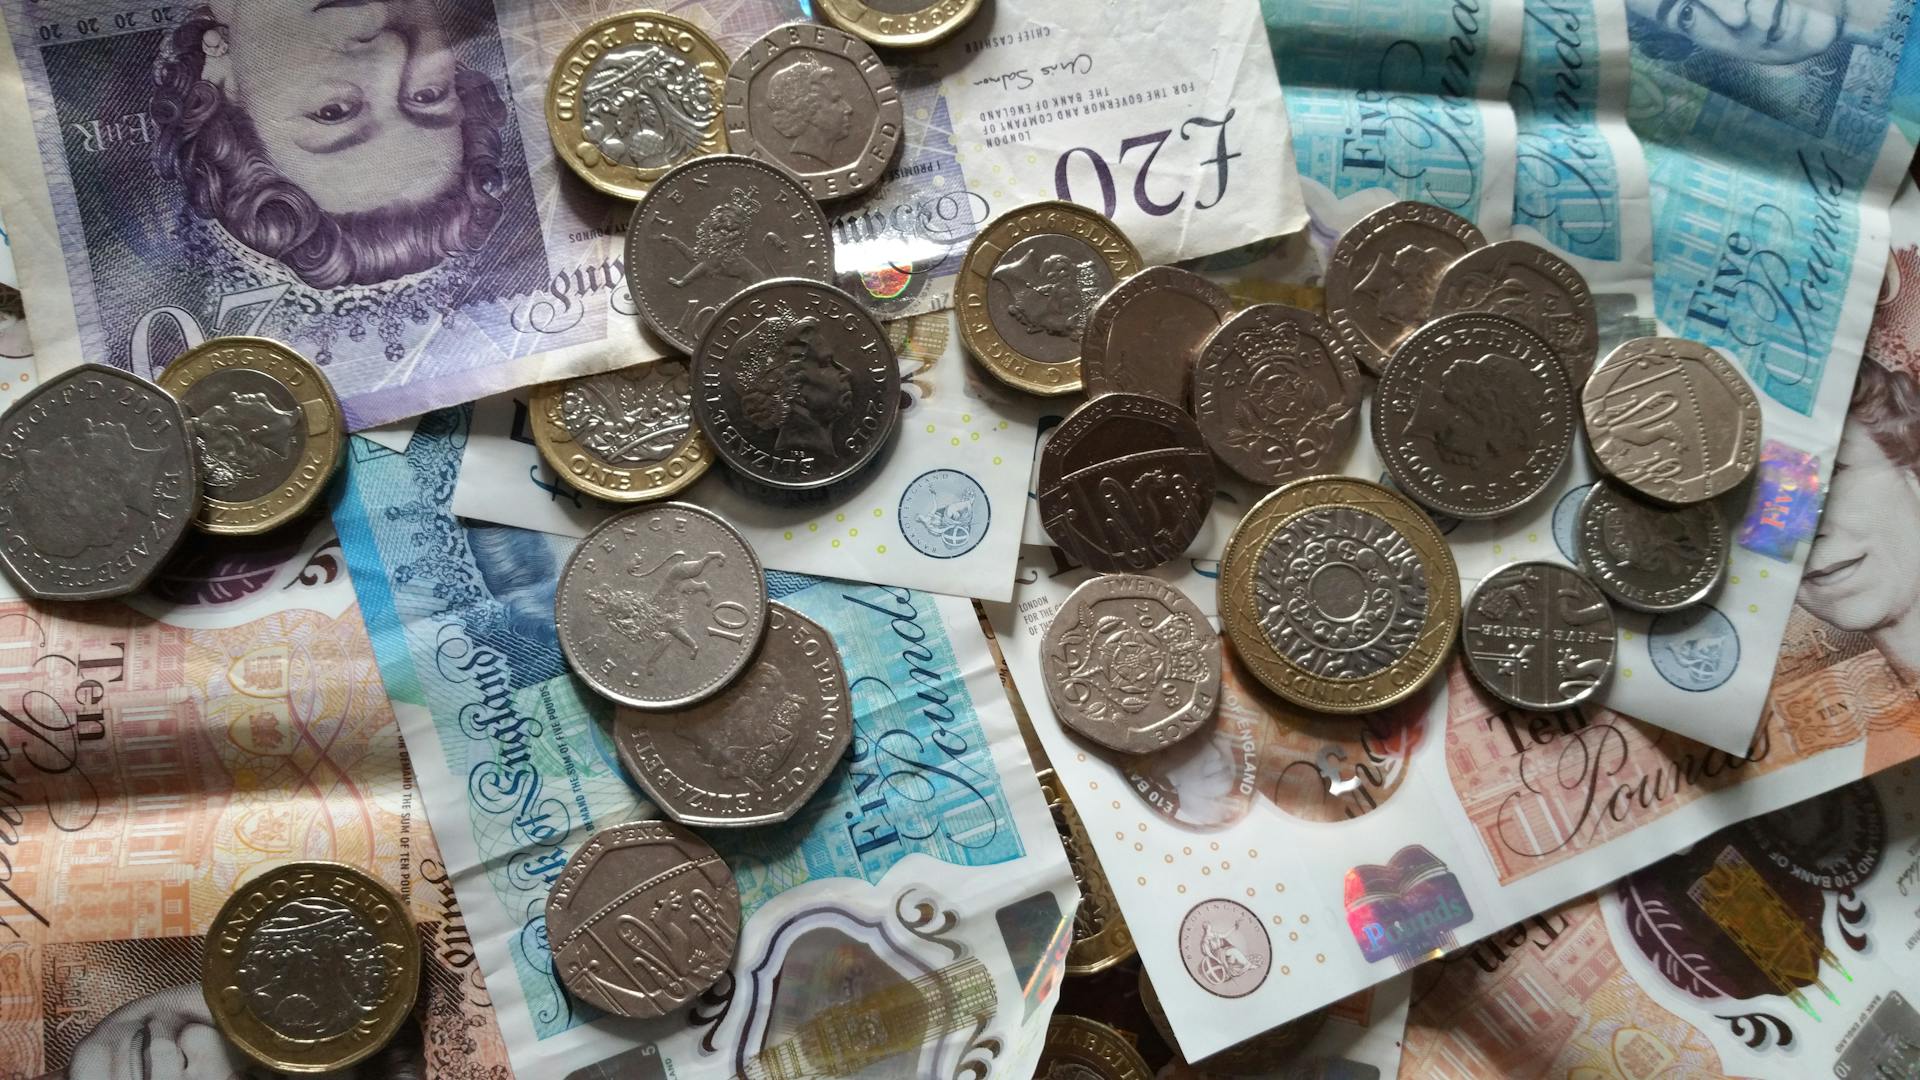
pixel 1081 1049
pixel 624 436
pixel 1538 635
pixel 1125 483
pixel 1143 335
pixel 1647 557
pixel 1381 275
pixel 1277 394
pixel 1532 286
pixel 1672 420
pixel 899 24
pixel 1131 663
pixel 817 102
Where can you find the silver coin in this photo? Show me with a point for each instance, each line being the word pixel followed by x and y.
pixel 1142 337
pixel 757 751
pixel 817 102
pixel 1651 558
pixel 1342 593
pixel 710 228
pixel 643 919
pixel 1474 416
pixel 1672 419
pixel 1381 275
pixel 1538 635
pixel 1532 286
pixel 1277 394
pixel 99 481
pixel 1125 482
pixel 1131 663
pixel 661 607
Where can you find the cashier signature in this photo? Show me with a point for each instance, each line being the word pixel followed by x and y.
pixel 1023 78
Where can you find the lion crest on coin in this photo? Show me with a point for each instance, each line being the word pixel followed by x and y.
pixel 657 615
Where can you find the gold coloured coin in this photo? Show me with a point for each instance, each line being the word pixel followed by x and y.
pixel 920 24
pixel 633 96
pixel 267 428
pixel 311 967
pixel 1027 286
pixel 625 435
pixel 1081 1049
pixel 1100 935
pixel 1339 594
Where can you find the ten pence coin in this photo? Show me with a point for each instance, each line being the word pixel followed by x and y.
pixel 1672 420
pixel 1131 663
pixel 899 24
pixel 817 102
pixel 1538 636
pixel 1143 335
pixel 1532 286
pixel 1647 557
pixel 624 436
pixel 1381 275
pixel 1277 394
pixel 1125 483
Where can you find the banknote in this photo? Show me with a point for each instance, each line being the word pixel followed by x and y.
pixel 925 871
pixel 9 275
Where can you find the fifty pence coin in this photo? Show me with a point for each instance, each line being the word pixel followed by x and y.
pixel 1266 1054
pixel 1277 394
pixel 1672 419
pixel 1340 595
pixel 311 967
pixel 1082 1049
pixel 713 227
pixel 643 919
pixel 625 435
pixel 1474 417
pixel 1125 482
pixel 267 430
pixel 1533 287
pixel 1143 335
pixel 660 607
pixel 1651 558
pixel 899 24
pixel 795 384
pixel 634 95
pixel 819 103
pixel 1381 275
pixel 1538 635
pixel 1100 935
pixel 99 481
pixel 1131 663
pixel 754 753
pixel 1027 287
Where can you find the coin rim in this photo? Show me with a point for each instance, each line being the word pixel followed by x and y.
pixel 1194 721
pixel 1344 366
pixel 1124 1060
pixel 693 451
pixel 1094 339
pixel 1345 250
pixel 1638 602
pixel 1681 350
pixel 875 27
pixel 1047 478
pixel 1473 669
pixel 1115 943
pixel 881 147
pixel 1549 265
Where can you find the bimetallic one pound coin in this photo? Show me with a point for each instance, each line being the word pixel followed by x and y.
pixel 634 95
pixel 311 967
pixel 1672 419
pixel 1029 284
pixel 624 436
pixel 1143 335
pixel 1340 595
pixel 1277 394
pixel 1100 935
pixel 1125 483
pixel 1647 557
pixel 643 919
pixel 1533 287
pixel 1474 417
pixel 1538 635
pixel 817 102
pixel 710 229
pixel 899 24
pixel 1131 663
pixel 266 426
pixel 1081 1049
pixel 1266 1054
pixel 661 607
pixel 1381 275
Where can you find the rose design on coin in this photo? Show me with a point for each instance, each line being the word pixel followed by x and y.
pixel 646 107
pixel 1131 663
pixel 1341 592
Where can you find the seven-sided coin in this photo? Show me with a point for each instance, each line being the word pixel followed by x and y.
pixel 1381 275
pixel 817 102
pixel 1131 663
pixel 1532 286
pixel 1277 394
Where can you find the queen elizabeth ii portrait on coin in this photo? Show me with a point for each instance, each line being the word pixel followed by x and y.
pixel 808 108
pixel 791 383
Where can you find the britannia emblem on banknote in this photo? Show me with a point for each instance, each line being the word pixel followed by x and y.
pixel 807 106
pixel 1226 949
pixel 244 438
pixel 790 382
pixel 657 613
pixel 646 107
pixel 1051 292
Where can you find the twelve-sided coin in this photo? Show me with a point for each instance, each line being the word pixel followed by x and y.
pixel 1538 635
pixel 625 435
pixel 1381 275
pixel 899 24
pixel 1131 663
pixel 817 102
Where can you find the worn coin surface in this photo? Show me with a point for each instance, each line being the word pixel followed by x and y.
pixel 1538 635
pixel 1339 594
pixel 1266 1054
pixel 816 101
pixel 625 435
pixel 634 95
pixel 311 967
pixel 1474 417
pixel 1647 557
pixel 795 384
pixel 1100 935
pixel 1143 335
pixel 1131 663
pixel 1277 394
pixel 757 751
pixel 1533 287
pixel 1672 419
pixel 99 481
pixel 1125 483
pixel 267 431
pixel 899 24
pixel 661 606
pixel 713 227
pixel 643 919
pixel 1381 275
pixel 1081 1049
pixel 1027 287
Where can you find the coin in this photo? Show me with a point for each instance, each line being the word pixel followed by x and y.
pixel 1027 286
pixel 1381 275
pixel 1143 335
pixel 1081 1049
pixel 1533 287
pixel 1339 594
pixel 796 384
pixel 1538 635
pixel 267 431
pixel 711 228
pixel 1125 483
pixel 817 102
pixel 754 753
pixel 899 24
pixel 1266 1054
pixel 643 919
pixel 1651 558
pixel 1131 663
pixel 311 967
pixel 1277 394
pixel 1474 417
pixel 634 95
pixel 1100 935
pixel 624 436
pixel 1672 420
pixel 661 606
pixel 98 484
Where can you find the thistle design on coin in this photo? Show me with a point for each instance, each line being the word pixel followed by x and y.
pixel 1647 557
pixel 1672 420
pixel 816 101
pixel 1131 663
pixel 1538 635
pixel 1277 394
pixel 625 435
pixel 1143 335
pixel 1381 275
pixel 899 24
pixel 1125 483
